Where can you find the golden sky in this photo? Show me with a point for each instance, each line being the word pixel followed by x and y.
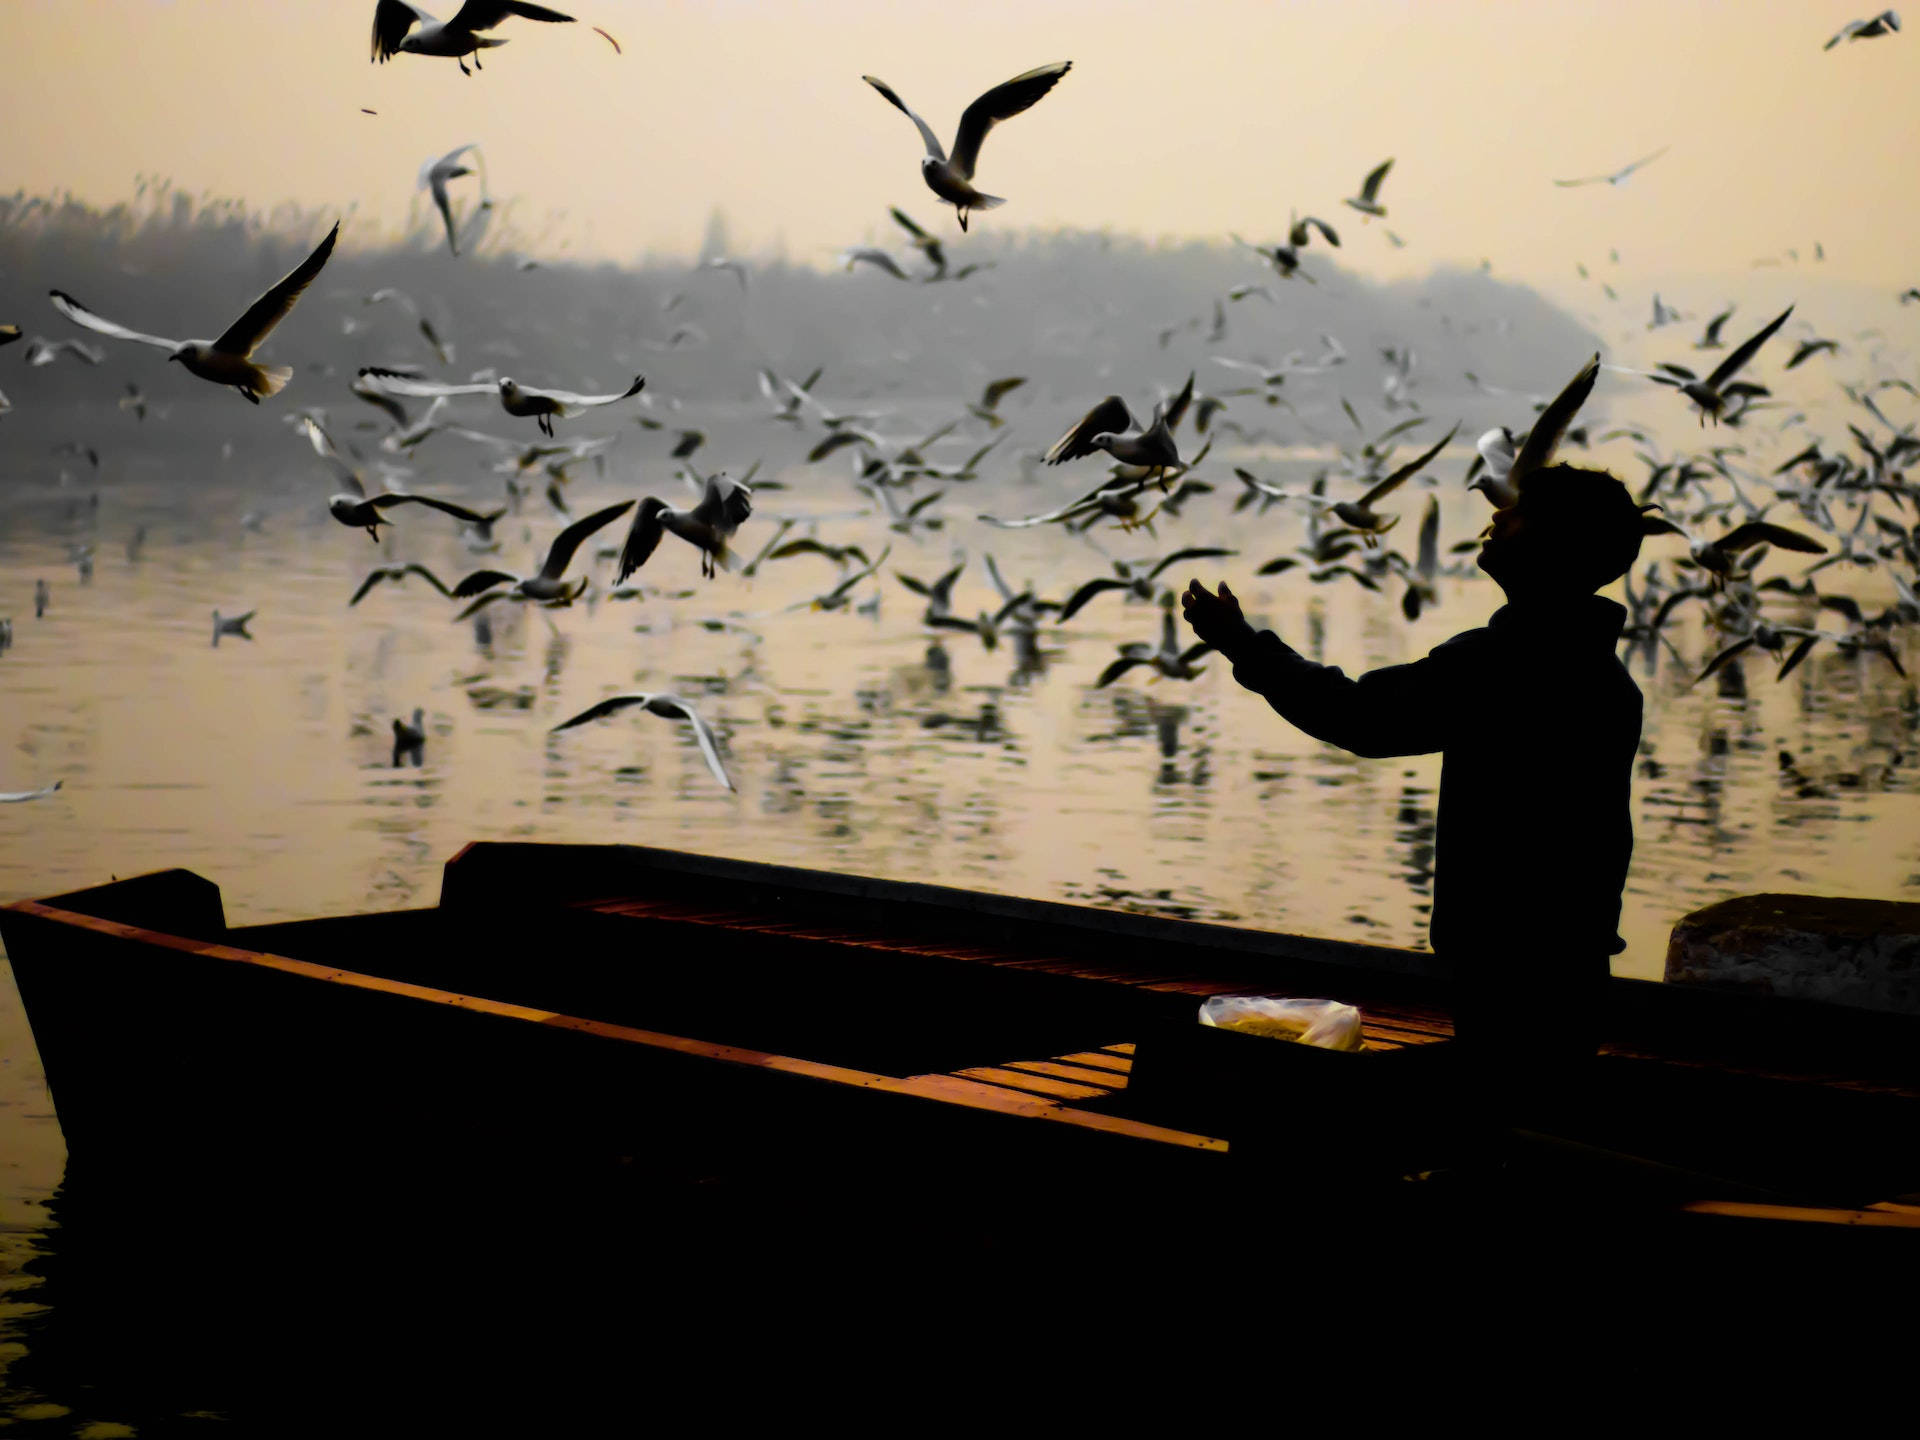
pixel 1178 120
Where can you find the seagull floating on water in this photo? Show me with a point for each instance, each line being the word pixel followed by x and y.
pixel 229 359
pixel 952 178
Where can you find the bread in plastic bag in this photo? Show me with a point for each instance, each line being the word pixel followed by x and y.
pixel 1327 1024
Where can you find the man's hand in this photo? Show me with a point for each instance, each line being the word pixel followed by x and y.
pixel 1216 618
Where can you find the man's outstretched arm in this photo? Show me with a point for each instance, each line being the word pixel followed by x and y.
pixel 1397 710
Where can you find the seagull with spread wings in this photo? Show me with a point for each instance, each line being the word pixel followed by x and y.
pixel 1168 659
pixel 1885 23
pixel 1367 202
pixel 524 401
pixel 550 584
pixel 227 360
pixel 668 707
pixel 724 507
pixel 1618 175
pixel 358 510
pixel 1110 426
pixel 395 32
pixel 1508 463
pixel 1712 394
pixel 397 574
pixel 951 178
pixel 1360 514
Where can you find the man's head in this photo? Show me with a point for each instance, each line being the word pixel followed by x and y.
pixel 1570 532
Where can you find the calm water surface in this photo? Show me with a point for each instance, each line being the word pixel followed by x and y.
pixel 862 743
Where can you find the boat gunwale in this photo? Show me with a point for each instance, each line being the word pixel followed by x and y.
pixel 936 1088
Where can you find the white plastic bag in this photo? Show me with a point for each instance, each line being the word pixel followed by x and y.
pixel 1325 1023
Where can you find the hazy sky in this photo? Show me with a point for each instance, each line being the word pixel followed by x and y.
pixel 1187 120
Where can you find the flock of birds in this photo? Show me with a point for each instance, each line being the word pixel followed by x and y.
pixel 1847 503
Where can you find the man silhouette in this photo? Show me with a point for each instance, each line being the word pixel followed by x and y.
pixel 1538 723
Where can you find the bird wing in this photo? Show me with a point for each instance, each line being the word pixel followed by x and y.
pixel 1747 350
pixel 643 538
pixel 612 705
pixel 1003 102
pixel 1807 642
pixel 481 580
pixel 392 382
pixel 428 576
pixel 243 337
pixel 1193 552
pixel 1407 471
pixel 1627 170
pixel 1110 416
pixel 906 222
pixel 926 131
pixel 724 502
pixel 879 259
pixel 485 14
pixel 1093 499
pixel 1370 188
pixel 1177 407
pixel 392 19
pixel 1427 558
pixel 569 397
pixel 80 315
pixel 1077 601
pixel 670 705
pixel 447 507
pixel 839 440
pixel 1537 453
pixel 990 396
pixel 560 555
pixel 1298 236
pixel 1723 657
pixel 373 579
pixel 1765 532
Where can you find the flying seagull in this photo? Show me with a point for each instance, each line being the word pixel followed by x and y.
pixel 434 176
pixel 952 179
pixel 453 39
pixel 669 707
pixel 1712 393
pixel 1110 426
pixel 229 359
pixel 549 583
pixel 516 399
pixel 1360 514
pixel 1885 23
pixel 1367 202
pixel 1618 175
pixel 724 507
pixel 1509 464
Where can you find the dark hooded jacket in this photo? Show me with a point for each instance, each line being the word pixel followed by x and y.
pixel 1538 723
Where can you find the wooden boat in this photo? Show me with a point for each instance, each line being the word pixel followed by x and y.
pixel 588 1009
